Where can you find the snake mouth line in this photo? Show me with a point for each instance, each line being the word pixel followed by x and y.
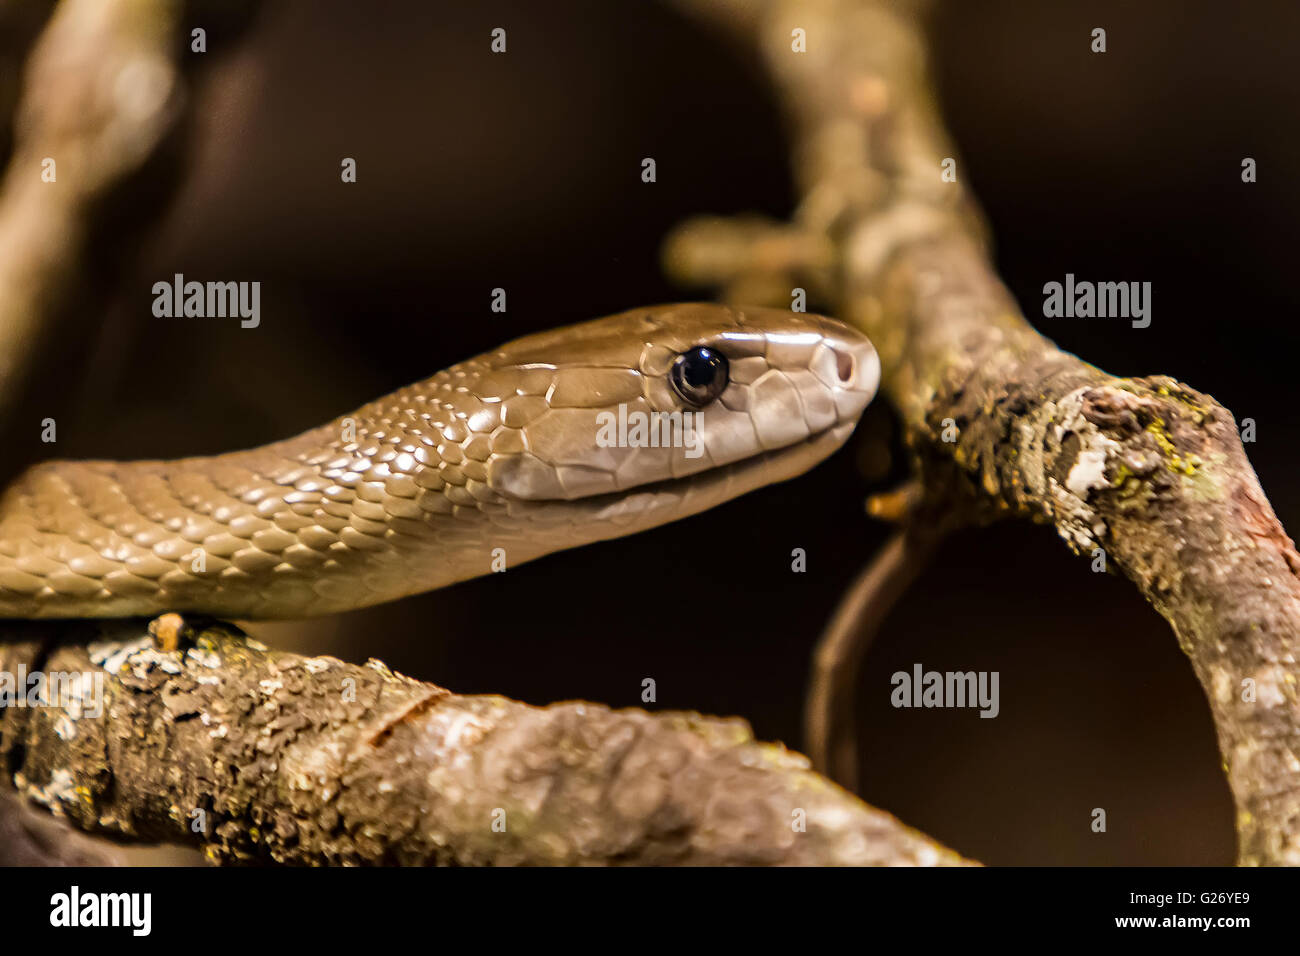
pixel 691 494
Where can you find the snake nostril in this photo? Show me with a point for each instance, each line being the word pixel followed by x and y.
pixel 843 365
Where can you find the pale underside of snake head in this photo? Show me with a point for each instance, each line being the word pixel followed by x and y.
pixel 552 441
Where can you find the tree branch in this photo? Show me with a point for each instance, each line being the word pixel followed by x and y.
pixel 262 757
pixel 1148 470
pixel 101 90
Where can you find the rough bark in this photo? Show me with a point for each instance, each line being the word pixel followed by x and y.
pixel 1148 470
pixel 264 757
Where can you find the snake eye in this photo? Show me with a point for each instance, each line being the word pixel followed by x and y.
pixel 699 375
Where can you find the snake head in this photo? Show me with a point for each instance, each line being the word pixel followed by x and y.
pixel 661 412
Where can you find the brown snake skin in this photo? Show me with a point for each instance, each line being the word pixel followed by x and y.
pixel 490 463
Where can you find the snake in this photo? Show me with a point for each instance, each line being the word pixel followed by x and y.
pixel 558 439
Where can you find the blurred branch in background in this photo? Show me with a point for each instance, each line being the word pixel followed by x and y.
pixel 100 91
pixel 1145 473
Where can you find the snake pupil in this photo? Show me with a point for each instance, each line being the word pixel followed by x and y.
pixel 699 375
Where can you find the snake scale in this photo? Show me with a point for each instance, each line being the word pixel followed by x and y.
pixel 496 459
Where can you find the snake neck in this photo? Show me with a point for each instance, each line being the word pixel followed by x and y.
pixel 388 500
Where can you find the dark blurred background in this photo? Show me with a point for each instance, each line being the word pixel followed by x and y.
pixel 523 171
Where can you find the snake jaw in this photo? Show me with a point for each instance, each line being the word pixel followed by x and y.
pixel 647 506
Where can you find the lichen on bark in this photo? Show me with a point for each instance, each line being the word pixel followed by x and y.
pixel 264 757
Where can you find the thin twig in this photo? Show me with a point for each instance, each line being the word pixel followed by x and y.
pixel 829 725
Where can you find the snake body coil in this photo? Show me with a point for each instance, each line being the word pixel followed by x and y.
pixel 499 458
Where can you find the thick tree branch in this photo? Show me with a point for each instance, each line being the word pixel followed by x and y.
pixel 1148 470
pixel 267 757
